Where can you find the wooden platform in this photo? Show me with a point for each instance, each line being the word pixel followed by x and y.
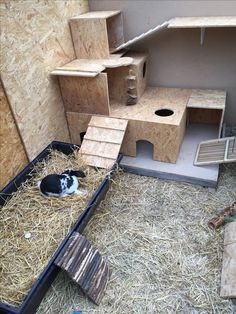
pixel 202 21
pixel 183 170
pixel 102 141
pixel 85 266
pixel 228 276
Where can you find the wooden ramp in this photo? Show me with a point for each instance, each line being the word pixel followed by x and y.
pixel 216 151
pixel 85 266
pixel 102 141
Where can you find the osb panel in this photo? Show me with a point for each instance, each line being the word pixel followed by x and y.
pixel 12 154
pixel 77 123
pixel 90 38
pixel 199 115
pixel 155 98
pixel 85 95
pixel 35 40
pixel 117 82
pixel 166 139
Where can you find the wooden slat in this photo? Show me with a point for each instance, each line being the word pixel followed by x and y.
pixel 96 15
pixel 85 266
pixel 228 276
pixel 207 99
pixel 107 150
pixel 216 151
pixel 203 21
pixel 73 73
pixel 100 134
pixel 109 123
pixel 99 162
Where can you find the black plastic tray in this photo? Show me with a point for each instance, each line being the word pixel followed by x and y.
pixel 40 287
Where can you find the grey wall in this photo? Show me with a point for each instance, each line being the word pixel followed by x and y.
pixel 176 57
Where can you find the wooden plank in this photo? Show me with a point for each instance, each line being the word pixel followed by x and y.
pixel 97 15
pixel 100 134
pixel 228 275
pixel 73 73
pixel 85 95
pixel 90 37
pixel 99 162
pixel 230 232
pixel 98 148
pixel 86 65
pixel 203 21
pixel 109 123
pixel 142 36
pixel 12 153
pixel 94 65
pixel 85 266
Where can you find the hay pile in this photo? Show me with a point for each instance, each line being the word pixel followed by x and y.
pixel 48 220
pixel 164 257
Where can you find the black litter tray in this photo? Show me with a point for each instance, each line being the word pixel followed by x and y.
pixel 40 287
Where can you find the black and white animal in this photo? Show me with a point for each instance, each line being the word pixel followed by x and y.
pixel 61 185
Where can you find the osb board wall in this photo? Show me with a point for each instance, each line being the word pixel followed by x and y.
pixel 36 39
pixel 12 154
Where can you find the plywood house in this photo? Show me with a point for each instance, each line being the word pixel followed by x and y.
pixel 109 79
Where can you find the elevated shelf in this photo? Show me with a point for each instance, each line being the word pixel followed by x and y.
pixel 202 21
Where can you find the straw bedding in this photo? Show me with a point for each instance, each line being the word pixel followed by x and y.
pixel 47 220
pixel 164 257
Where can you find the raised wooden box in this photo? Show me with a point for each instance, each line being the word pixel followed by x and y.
pixel 96 34
pixel 128 82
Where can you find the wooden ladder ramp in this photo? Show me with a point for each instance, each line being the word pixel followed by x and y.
pixel 84 264
pixel 216 151
pixel 102 141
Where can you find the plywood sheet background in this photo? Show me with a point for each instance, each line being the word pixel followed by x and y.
pixel 35 40
pixel 12 154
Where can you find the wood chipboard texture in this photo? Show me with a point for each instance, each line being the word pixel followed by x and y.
pixel 77 123
pixel 12 154
pixel 120 85
pixel 228 276
pixel 202 21
pixel 102 150
pixel 95 34
pixel 85 95
pixel 35 40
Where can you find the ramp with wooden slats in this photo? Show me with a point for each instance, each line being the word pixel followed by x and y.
pixel 102 141
pixel 84 264
pixel 216 151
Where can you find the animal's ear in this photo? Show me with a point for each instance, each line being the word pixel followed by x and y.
pixel 78 173
pixel 67 171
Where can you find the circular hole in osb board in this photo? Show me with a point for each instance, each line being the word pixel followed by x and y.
pixel 164 112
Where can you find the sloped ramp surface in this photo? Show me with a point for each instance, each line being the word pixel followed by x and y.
pixel 216 151
pixel 84 264
pixel 102 141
